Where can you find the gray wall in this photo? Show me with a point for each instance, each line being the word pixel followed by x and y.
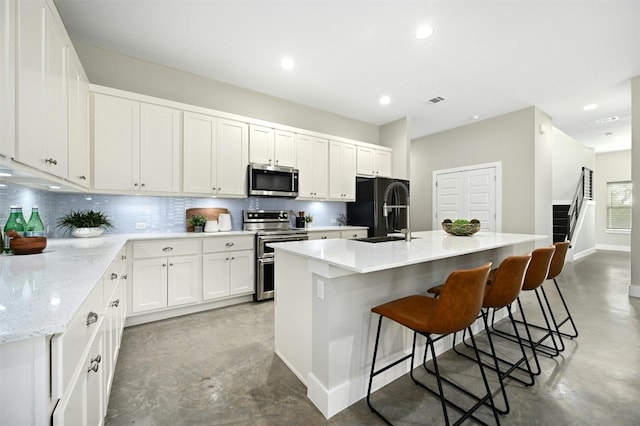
pixel 634 287
pixel 610 167
pixel 508 138
pixel 568 158
pixel 395 135
pixel 115 70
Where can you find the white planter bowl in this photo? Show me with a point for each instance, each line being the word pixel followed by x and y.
pixel 87 232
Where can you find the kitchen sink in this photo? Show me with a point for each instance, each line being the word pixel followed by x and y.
pixel 383 239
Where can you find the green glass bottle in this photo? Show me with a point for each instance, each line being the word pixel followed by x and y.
pixel 15 222
pixel 35 228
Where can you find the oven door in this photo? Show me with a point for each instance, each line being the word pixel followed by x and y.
pixel 265 278
pixel 263 240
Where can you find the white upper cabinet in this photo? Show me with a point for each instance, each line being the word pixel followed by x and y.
pixel 271 147
pixel 42 89
pixel 215 155
pixel 78 84
pixel 313 164
pixel 7 77
pixel 136 146
pixel 374 162
pixel 342 171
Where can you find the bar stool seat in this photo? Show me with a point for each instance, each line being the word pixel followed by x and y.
pixel 555 269
pixel 456 309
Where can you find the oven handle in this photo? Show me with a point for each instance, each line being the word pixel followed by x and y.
pixel 285 238
pixel 266 260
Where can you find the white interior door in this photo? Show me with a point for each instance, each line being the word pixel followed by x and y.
pixel 469 193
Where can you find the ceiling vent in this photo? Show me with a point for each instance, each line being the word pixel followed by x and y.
pixel 436 100
pixel 607 120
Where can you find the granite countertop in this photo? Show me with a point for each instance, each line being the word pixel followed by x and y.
pixel 40 293
pixel 363 257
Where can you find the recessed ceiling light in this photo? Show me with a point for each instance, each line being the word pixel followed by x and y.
pixel 475 117
pixel 590 107
pixel 287 63
pixel 54 187
pixel 424 32
pixel 385 100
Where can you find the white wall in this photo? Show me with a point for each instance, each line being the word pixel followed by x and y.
pixel 543 181
pixel 634 287
pixel 568 158
pixel 509 138
pixel 123 72
pixel 610 167
pixel 395 135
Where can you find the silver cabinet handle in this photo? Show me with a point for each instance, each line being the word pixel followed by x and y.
pixel 82 177
pixel 124 277
pixel 114 276
pixel 135 184
pixel 229 244
pixel 164 265
pixel 167 249
pixel 92 318
pixel 324 237
pixel 123 257
pixel 51 161
pixel 115 303
pixel 142 185
pixel 171 264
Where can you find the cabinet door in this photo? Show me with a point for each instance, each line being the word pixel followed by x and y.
pixel 159 148
pixel 382 161
pixel 200 132
pixel 365 161
pixel 320 168
pixel 284 149
pixel 56 98
pixel 149 284
pixel 232 158
pixel 323 235
pixel 42 90
pixel 7 78
pixel 350 235
pixel 215 275
pixel 305 163
pixel 348 173
pixel 78 86
pixel 261 141
pixel 241 272
pixel 116 143
pixel 183 285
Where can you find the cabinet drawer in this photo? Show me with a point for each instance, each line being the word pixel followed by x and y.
pixel 143 250
pixel 68 347
pixel 356 233
pixel 323 235
pixel 216 244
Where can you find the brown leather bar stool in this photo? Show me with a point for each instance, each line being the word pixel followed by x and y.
pixel 536 275
pixel 505 287
pixel 557 264
pixel 456 309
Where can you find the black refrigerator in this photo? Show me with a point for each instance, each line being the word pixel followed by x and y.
pixel 367 209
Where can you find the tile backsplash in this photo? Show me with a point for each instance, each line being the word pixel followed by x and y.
pixel 159 214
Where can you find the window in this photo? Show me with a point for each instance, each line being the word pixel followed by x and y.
pixel 619 205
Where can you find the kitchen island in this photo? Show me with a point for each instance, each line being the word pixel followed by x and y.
pixel 324 330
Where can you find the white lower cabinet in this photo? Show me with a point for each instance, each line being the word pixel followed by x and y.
pixel 348 234
pixel 83 358
pixel 352 234
pixel 227 267
pixel 159 280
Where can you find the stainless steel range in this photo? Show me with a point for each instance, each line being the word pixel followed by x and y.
pixel 270 226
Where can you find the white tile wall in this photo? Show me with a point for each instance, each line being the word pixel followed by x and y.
pixel 161 214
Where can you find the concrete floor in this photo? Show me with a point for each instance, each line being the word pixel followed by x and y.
pixel 218 367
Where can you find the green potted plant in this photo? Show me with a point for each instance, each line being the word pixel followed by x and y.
pixel 85 223
pixel 198 221
pixel 309 219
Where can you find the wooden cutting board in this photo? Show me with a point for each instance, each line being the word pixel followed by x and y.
pixel 211 213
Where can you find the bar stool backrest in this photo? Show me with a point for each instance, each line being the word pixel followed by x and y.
pixel 460 300
pixel 538 268
pixel 507 281
pixel 557 261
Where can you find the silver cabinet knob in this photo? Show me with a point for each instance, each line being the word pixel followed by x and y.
pixel 229 244
pixel 51 161
pixel 82 177
pixel 167 249
pixel 114 276
pixel 115 303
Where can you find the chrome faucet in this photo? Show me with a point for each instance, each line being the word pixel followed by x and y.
pixel 386 208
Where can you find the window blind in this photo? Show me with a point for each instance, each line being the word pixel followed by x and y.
pixel 619 205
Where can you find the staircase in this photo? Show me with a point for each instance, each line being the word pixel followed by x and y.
pixel 565 216
pixel 560 222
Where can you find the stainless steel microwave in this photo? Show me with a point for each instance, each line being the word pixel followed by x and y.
pixel 273 181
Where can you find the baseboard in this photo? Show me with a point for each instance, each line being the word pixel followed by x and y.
pixel 612 247
pixel 584 253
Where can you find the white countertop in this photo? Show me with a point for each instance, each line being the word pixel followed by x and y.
pixel 426 246
pixel 40 293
